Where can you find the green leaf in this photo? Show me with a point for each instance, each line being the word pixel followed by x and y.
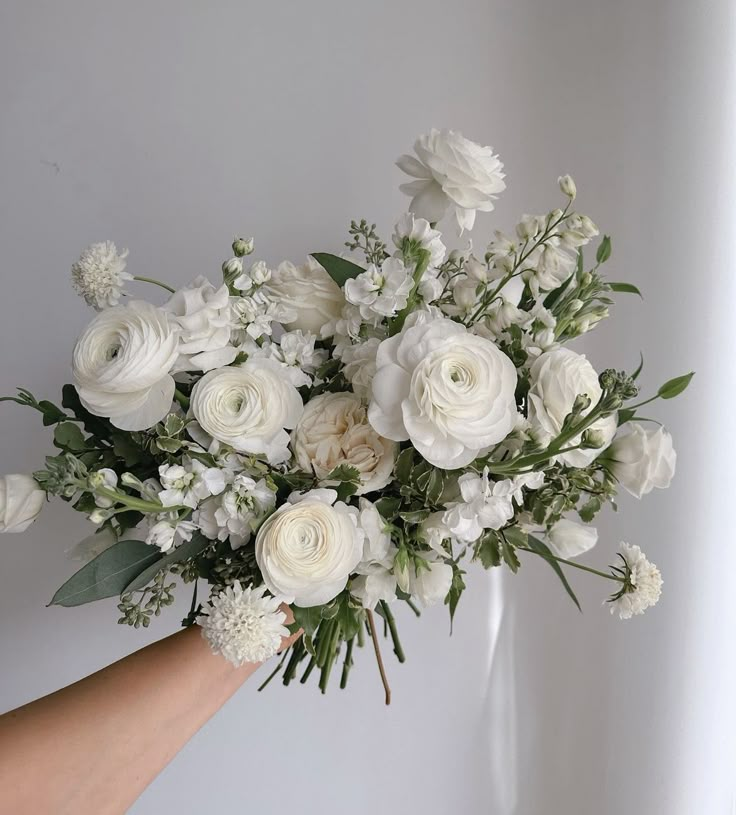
pixel 636 373
pixel 457 587
pixel 509 554
pixel 344 472
pixel 404 464
pixel 544 551
pixel 68 436
pixel 590 509
pixel 350 618
pixel 108 574
pixel 184 551
pixel 487 551
pixel 435 486
pixel 625 288
pixel 339 269
pixel 604 250
pixel 51 413
pixel 674 387
pixel 125 448
pixel 625 415
pixel 94 425
pixel 307 618
pixel 388 507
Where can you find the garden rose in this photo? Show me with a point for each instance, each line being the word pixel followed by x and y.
pixel 558 377
pixel 21 500
pixel 334 430
pixel 452 173
pixel 248 407
pixel 449 391
pixel 310 292
pixel 643 458
pixel 122 365
pixel 307 549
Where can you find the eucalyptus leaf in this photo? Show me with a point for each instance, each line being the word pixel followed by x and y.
pixel 68 436
pixel 184 551
pixel 339 269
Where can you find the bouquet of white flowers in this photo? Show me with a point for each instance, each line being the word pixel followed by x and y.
pixel 349 433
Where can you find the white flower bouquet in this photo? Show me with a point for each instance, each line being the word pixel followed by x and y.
pixel 348 434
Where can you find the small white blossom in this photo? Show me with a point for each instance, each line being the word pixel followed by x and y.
pixel 380 292
pixel 416 233
pixel 567 186
pixel 107 479
pixel 237 512
pixel 645 580
pixel 359 363
pixel 243 625
pixel 99 275
pixel 486 504
pixel 169 533
pixel 189 483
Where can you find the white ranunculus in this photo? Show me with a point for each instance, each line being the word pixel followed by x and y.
pixel 452 173
pixel 334 430
pixel 430 585
pixel 122 364
pixel 569 539
pixel 248 407
pixel 643 458
pixel 202 313
pixel 307 550
pixel 310 292
pixel 449 391
pixel 21 500
pixel 558 377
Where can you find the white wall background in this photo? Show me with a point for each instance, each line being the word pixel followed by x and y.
pixel 169 127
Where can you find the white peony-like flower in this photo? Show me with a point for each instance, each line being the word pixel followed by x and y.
pixel 380 292
pixel 416 233
pixel 243 625
pixel 202 313
pixel 449 391
pixel 99 275
pixel 248 407
pixel 558 377
pixel 21 501
pixel 645 581
pixel 334 430
pixel 452 173
pixel 307 549
pixel 309 292
pixel 643 459
pixel 569 539
pixel 122 364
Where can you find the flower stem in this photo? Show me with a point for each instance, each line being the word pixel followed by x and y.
pixel 572 563
pixel 181 399
pixel 379 658
pixel 389 617
pixel 397 323
pixel 135 503
pixel 347 665
pixel 155 282
pixel 275 671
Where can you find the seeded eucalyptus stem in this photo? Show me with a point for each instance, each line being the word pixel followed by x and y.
pixel 389 618
pixel 155 282
pixel 379 658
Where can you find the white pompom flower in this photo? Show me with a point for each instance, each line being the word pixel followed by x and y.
pixel 243 625
pixel 99 275
pixel 643 583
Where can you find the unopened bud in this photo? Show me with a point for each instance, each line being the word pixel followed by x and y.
pixel 242 246
pixel 567 185
pixel 232 268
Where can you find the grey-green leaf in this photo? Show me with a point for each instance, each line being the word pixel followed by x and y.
pixel 604 250
pixel 674 387
pixel 184 551
pixel 339 269
pixel 108 574
pixel 625 288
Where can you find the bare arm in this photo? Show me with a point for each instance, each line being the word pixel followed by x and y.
pixel 93 747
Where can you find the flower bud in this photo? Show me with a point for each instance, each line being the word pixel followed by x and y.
pixel 232 268
pixel 242 246
pixel 593 439
pixel 575 306
pixel 99 516
pixel 528 227
pixel 567 185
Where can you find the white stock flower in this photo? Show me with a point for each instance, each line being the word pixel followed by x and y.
pixel 236 513
pixel 243 625
pixel 430 585
pixel 21 501
pixel 189 484
pixel 255 314
pixel 643 459
pixel 202 313
pixel 417 233
pixel 359 365
pixel 169 533
pixel 307 550
pixel 99 275
pixel 248 407
pixel 334 430
pixel 485 504
pixel 567 186
pixel 449 391
pixel 645 580
pixel 375 580
pixel 569 539
pixel 549 267
pixel 309 292
pixel 558 377
pixel 380 292
pixel 452 173
pixel 107 479
pixel 122 365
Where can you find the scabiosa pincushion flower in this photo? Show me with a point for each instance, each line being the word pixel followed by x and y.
pixel 243 625
pixel 642 586
pixel 99 275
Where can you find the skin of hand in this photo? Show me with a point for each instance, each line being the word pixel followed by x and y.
pixel 92 748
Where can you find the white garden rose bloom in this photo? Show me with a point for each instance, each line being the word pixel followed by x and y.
pixel 643 458
pixel 307 550
pixel 558 377
pixel 569 539
pixel 334 430
pixel 452 173
pixel 202 313
pixel 309 292
pixel 122 365
pixel 449 391
pixel 248 407
pixel 21 501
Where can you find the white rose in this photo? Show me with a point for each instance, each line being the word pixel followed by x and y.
pixel 21 500
pixel 334 430
pixel 557 378
pixel 202 313
pixel 569 539
pixel 643 458
pixel 452 173
pixel 430 585
pixel 310 292
pixel 307 550
pixel 122 365
pixel 248 407
pixel 449 391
